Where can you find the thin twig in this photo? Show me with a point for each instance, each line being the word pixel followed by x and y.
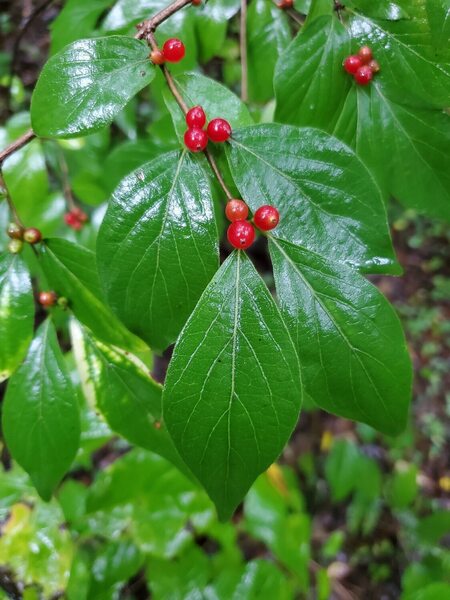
pixel 67 189
pixel 12 208
pixel 17 145
pixel 295 16
pixel 149 25
pixel 243 51
pixel 212 163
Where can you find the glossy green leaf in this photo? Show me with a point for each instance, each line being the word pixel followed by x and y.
pixel 16 313
pixel 157 247
pixel 268 34
pixel 40 413
pixel 83 87
pixel 411 70
pixel 381 9
pixel 310 83
pixel 131 488
pixel 327 200
pixel 76 20
pixel 25 171
pixel 186 577
pixel 127 157
pixel 350 342
pixel 418 138
pixel 215 99
pixel 262 579
pixel 36 547
pixel 438 13
pixel 125 394
pixel 211 19
pixel 71 272
pixel 233 390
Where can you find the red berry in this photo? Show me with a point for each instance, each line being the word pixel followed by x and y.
pixel 80 214
pixel 157 57
pixel 196 2
pixel 241 234
pixel 73 221
pixel 236 210
pixel 352 64
pixel 196 139
pixel 284 4
pixel 196 117
pixel 173 50
pixel 218 130
pixel 15 231
pixel 266 217
pixel 32 235
pixel 363 75
pixel 365 54
pixel 47 299
pixel 374 66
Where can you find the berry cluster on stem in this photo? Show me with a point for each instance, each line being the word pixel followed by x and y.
pixel 241 233
pixel 196 138
pixel 362 66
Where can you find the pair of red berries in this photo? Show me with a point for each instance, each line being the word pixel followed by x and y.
pixel 196 138
pixel 76 218
pixel 173 51
pixel 241 233
pixel 362 66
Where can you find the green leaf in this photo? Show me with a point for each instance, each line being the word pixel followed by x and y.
pixel 410 71
pixel 310 83
pixel 327 199
pixel 233 391
pixel 342 468
pixel 184 578
pixel 438 13
pixel 71 272
pixel 16 313
pixel 215 99
pixel 40 413
pixel 25 171
pixel 350 342
pixel 130 489
pixel 82 88
pixel 382 9
pixel 76 20
pixel 124 392
pixel 157 247
pixel 402 488
pixel 262 579
pixel 268 34
pixel 417 138
pixel 211 19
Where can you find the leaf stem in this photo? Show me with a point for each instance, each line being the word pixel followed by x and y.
pixel 243 51
pixel 17 145
pixel 212 163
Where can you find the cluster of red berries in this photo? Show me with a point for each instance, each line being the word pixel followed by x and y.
pixel 241 233
pixel 18 235
pixel 173 51
pixel 362 66
pixel 196 138
pixel 76 218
